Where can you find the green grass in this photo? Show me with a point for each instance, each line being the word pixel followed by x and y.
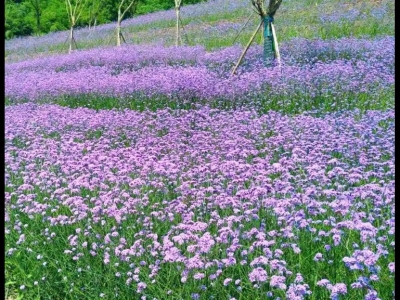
pixel 293 104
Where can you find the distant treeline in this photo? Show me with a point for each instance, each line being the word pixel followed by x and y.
pixel 35 17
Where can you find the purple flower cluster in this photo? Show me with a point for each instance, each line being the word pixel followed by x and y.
pixel 212 180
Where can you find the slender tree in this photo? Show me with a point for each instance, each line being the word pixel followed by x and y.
pixel 94 10
pixel 74 10
pixel 178 38
pixel 123 8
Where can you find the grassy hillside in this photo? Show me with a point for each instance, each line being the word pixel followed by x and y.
pixel 215 24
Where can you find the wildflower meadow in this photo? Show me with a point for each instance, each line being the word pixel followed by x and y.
pixel 148 171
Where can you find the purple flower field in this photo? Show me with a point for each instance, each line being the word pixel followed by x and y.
pixel 312 71
pixel 207 197
pixel 148 172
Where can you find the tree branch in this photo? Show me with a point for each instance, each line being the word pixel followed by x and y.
pixel 80 9
pixel 129 6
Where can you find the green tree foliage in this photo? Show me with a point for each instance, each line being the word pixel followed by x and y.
pixel 17 22
pixel 28 17
pixel 147 6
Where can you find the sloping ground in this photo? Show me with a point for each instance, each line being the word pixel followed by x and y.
pixel 216 23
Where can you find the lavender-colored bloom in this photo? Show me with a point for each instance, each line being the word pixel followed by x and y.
pixel 195 296
pixel 298 291
pixel 356 285
pixel 318 257
pixel 391 267
pixel 227 281
pixel 21 239
pixel 141 286
pixel 258 275
pixel 199 276
pixel 338 289
pixel 374 277
pixel 364 281
pixel 371 295
pixel 323 282
pixel 278 282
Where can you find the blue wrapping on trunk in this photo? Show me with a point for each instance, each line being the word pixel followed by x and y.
pixel 269 51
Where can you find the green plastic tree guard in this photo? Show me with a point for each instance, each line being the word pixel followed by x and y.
pixel 269 53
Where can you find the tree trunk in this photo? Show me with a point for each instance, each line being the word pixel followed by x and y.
pixel 119 20
pixel 90 17
pixel 269 54
pixel 71 38
pixel 38 21
pixel 177 10
pixel 119 33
